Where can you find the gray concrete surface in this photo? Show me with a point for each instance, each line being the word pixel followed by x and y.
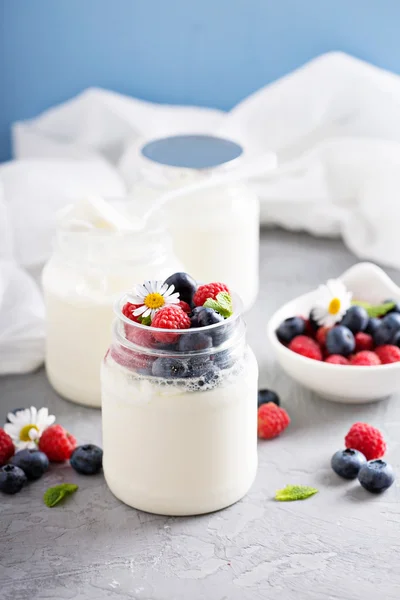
pixel 342 544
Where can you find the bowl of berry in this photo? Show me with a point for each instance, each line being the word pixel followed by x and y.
pixel 342 340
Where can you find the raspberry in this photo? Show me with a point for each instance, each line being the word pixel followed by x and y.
pixel 363 341
pixel 308 327
pixel 57 443
pixel 211 290
pixel 366 358
pixel 272 420
pixel 170 317
pixel 184 306
pixel 6 447
pixel 130 359
pixel 366 439
pixel 388 354
pixel 127 311
pixel 141 336
pixel 337 359
pixel 320 336
pixel 305 346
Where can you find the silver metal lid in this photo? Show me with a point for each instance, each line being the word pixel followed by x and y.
pixel 192 151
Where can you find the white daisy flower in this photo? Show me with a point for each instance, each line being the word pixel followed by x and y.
pixel 27 425
pixel 332 303
pixel 151 296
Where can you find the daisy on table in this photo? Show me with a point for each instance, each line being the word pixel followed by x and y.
pixel 25 426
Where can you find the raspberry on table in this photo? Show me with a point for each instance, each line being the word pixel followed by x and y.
pixel 272 420
pixel 127 311
pixel 6 447
pixel 366 439
pixel 170 317
pixel 388 354
pixel 210 290
pixel 306 346
pixel 363 341
pixel 337 359
pixel 365 358
pixel 57 443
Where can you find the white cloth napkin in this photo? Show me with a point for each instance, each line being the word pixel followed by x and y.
pixel 334 124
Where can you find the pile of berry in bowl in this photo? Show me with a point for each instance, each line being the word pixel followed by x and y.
pixel 342 340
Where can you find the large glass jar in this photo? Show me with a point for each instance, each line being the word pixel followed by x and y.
pixel 216 231
pixel 86 274
pixel 179 425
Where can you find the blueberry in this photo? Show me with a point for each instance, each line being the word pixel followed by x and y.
pixel 373 325
pixel 12 479
pixel 198 365
pixel 347 463
pixel 194 316
pixel 355 319
pixel 185 285
pixel 390 325
pixel 14 412
pixel 396 339
pixel 190 342
pixel 340 340
pixel 87 459
pixel 208 316
pixel 224 359
pixel 289 328
pixel 396 308
pixel 376 476
pixel 313 322
pixel 265 396
pixel 169 368
pixel 211 376
pixel 33 462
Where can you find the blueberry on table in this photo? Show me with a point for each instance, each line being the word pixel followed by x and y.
pixel 12 479
pixel 389 326
pixel 33 462
pixel 356 319
pixel 376 476
pixel 340 340
pixel 373 325
pixel 169 368
pixel 347 463
pixel 87 459
pixel 290 328
pixel 185 285
pixel 265 396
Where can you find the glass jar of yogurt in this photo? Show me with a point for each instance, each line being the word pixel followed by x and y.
pixel 86 274
pixel 215 232
pixel 179 425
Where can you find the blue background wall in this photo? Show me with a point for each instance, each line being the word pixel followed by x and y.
pixel 206 52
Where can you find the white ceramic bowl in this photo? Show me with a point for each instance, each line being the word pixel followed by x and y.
pixel 346 384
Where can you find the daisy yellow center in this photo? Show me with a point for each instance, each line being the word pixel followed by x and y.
pixel 334 306
pixel 24 433
pixel 154 300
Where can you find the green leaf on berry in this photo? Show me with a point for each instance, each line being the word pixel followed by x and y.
pixel 145 320
pixel 222 305
pixel 375 310
pixel 54 495
pixel 295 492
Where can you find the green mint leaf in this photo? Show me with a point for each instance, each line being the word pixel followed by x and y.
pixel 222 305
pixel 295 492
pixel 145 320
pixel 375 310
pixel 210 303
pixel 54 495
